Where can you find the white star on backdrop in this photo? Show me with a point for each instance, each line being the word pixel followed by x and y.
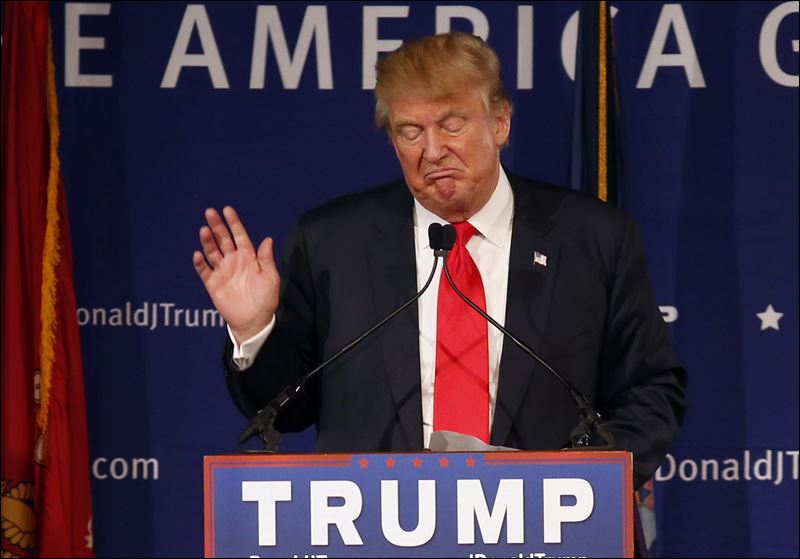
pixel 769 318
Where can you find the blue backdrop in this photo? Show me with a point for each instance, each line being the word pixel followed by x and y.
pixel 164 112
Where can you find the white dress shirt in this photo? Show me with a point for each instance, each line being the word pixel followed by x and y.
pixel 490 249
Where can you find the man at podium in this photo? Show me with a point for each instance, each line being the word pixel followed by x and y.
pixel 563 272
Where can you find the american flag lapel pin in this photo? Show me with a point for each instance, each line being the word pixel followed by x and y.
pixel 539 259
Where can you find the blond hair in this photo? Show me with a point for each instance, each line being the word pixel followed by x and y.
pixel 439 66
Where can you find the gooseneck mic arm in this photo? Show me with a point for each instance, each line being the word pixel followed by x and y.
pixel 263 422
pixel 591 421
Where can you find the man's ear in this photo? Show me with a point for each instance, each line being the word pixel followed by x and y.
pixel 502 123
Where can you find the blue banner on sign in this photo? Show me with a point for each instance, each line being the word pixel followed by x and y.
pixel 421 505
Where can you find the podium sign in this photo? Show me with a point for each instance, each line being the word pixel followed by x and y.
pixel 500 504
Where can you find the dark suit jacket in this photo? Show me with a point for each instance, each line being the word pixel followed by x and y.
pixel 590 313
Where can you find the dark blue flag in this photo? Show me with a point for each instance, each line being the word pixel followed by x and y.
pixel 596 163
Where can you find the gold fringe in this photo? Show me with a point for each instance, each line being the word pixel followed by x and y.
pixel 52 254
pixel 602 131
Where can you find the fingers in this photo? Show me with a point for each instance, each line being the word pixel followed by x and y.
pixel 220 232
pixel 210 246
pixel 216 240
pixel 240 236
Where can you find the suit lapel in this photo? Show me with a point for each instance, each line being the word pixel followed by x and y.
pixel 530 288
pixel 393 277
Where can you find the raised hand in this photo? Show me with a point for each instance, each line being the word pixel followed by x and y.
pixel 244 285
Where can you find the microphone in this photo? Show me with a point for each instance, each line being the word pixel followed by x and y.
pixel 448 239
pixel 435 236
pixel 263 422
pixel 591 421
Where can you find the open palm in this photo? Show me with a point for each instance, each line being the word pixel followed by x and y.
pixel 244 285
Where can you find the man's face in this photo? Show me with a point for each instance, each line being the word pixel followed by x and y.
pixel 449 150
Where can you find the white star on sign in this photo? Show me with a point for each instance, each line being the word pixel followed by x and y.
pixel 769 318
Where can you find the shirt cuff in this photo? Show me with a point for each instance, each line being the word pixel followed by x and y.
pixel 243 355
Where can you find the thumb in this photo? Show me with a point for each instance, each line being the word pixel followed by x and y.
pixel 266 257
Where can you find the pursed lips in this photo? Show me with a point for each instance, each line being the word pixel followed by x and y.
pixel 440 174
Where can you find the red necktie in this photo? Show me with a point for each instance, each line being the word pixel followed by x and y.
pixel 461 390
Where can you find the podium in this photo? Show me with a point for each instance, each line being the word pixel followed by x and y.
pixel 455 504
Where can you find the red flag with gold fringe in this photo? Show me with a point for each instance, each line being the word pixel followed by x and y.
pixel 46 501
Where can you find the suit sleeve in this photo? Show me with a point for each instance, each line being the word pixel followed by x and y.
pixel 642 385
pixel 289 352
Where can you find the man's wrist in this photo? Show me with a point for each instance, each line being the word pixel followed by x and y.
pixel 242 336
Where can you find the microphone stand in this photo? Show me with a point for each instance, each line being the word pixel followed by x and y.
pixel 264 421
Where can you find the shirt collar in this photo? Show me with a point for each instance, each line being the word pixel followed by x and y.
pixel 493 220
